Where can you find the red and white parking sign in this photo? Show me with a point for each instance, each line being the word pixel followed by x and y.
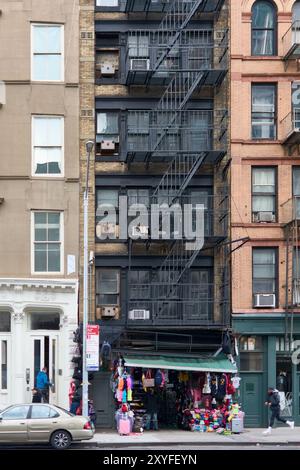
pixel 92 348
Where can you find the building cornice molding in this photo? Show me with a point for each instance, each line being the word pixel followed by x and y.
pixel 19 285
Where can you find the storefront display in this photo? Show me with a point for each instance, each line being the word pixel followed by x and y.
pixel 165 398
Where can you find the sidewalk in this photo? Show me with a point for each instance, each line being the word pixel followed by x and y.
pixel 250 436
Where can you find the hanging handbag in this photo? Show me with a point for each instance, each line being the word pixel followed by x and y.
pixel 148 381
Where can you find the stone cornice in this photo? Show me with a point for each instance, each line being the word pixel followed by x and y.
pixel 19 285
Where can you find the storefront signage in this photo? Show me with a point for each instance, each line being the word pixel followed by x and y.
pixel 92 348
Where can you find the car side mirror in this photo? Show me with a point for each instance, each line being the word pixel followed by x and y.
pixel 1 419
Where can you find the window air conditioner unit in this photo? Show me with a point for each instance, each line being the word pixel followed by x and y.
pixel 265 217
pixel 140 64
pixel 140 230
pixel 138 314
pixel 264 300
pixel 107 70
pixel 109 311
pixel 108 229
pixel 108 145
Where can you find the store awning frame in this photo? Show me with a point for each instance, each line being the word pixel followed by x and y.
pixel 219 364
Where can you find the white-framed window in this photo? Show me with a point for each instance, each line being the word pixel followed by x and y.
pixel 47 242
pixel 47 145
pixel 47 52
pixel 107 3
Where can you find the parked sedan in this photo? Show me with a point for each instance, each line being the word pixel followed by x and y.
pixel 43 423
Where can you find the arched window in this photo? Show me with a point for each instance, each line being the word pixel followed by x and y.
pixel 263 28
pixel 296 23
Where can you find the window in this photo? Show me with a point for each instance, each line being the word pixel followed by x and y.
pixel 47 242
pixel 138 46
pixel 139 284
pixel 108 288
pixel 264 270
pixel 44 321
pixel 47 52
pixel 16 412
pixel 108 124
pixel 43 412
pixel 138 196
pixel 5 322
pixel 263 28
pixel 296 23
pixel 107 3
pixel 107 133
pixel 47 145
pixel 263 111
pixel 296 191
pixel 251 353
pixel 263 194
pixel 4 360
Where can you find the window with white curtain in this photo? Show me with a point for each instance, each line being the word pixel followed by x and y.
pixel 138 46
pixel 296 190
pixel 263 193
pixel 107 3
pixel 47 241
pixel 263 114
pixel 263 28
pixel 47 43
pixel 47 145
pixel 264 270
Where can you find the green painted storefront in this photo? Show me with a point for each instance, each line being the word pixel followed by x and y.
pixel 265 359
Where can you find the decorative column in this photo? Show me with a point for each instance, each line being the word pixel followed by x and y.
pixel 18 364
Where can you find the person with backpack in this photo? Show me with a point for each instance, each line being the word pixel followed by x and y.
pixel 273 401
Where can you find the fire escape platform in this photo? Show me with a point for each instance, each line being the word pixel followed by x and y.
pixel 211 77
pixel 293 53
pixel 161 6
pixel 212 157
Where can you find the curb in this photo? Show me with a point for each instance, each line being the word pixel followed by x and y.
pixel 141 445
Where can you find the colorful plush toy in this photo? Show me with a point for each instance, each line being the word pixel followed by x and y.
pixel 234 411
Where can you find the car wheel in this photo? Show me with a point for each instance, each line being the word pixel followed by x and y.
pixel 60 440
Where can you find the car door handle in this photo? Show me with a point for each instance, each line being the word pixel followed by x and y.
pixel 22 424
pixel 54 422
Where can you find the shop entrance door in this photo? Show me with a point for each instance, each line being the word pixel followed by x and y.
pixel 43 354
pixel 103 400
pixel 296 392
pixel 252 399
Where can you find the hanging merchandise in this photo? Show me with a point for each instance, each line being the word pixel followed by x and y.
pixel 105 355
pixel 148 381
pixel 226 343
pixel 222 387
pixel 230 387
pixel 206 389
pixel 214 385
pixel 236 381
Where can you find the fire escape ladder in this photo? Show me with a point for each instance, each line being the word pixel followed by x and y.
pixel 180 172
pixel 176 19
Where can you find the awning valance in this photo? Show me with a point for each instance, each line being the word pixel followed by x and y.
pixel 203 364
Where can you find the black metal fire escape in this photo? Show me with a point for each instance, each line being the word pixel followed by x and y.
pixel 170 117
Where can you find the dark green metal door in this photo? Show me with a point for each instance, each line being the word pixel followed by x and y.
pixel 252 399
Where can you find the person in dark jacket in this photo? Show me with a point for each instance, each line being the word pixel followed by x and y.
pixel 273 401
pixel 36 396
pixel 152 406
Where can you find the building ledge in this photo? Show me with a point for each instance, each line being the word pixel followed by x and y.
pixel 53 285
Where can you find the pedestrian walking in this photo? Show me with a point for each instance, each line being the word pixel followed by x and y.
pixel 76 401
pixel 43 384
pixel 273 401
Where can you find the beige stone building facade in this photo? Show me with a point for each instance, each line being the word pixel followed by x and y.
pixel 39 193
pixel 265 175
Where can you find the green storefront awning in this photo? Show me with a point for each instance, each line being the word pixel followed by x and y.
pixel 203 364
